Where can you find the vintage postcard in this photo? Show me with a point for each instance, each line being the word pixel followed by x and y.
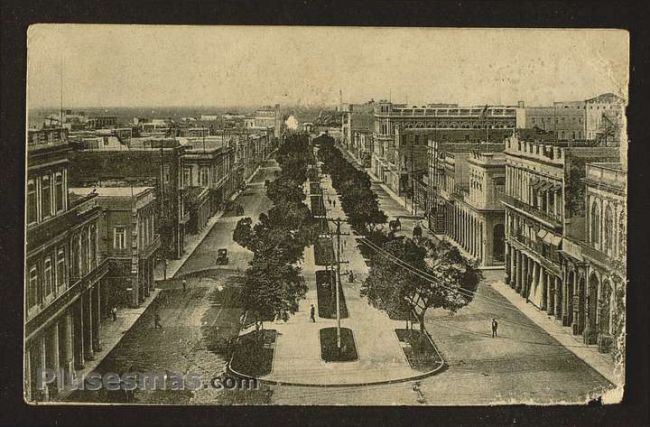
pixel 251 215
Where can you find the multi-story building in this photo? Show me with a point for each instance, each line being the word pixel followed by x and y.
pixel 101 122
pixel 208 163
pixel 447 123
pixel 605 115
pixel 466 185
pixel 269 118
pixel 566 120
pixel 63 267
pixel 594 259
pixel 599 118
pixel 147 162
pixel 544 203
pixel 127 240
pixel 356 129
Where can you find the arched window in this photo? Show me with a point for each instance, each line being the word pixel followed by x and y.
pixel 609 229
pixel 622 236
pixel 595 223
pixel 605 307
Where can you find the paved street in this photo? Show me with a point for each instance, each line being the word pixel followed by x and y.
pixel 197 324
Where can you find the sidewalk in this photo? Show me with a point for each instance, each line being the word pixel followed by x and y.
pixel 194 241
pixel 110 335
pixel 602 363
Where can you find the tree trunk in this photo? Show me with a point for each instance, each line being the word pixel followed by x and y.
pixel 421 320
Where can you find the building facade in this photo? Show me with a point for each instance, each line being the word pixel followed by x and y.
pixel 64 271
pixel 445 122
pixel 544 204
pixel 466 186
pixel 128 240
pixel 593 263
pixel 595 119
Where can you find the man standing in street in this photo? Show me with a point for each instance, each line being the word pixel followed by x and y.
pixel 114 313
pixel 495 325
pixel 312 313
pixel 184 285
pixel 156 321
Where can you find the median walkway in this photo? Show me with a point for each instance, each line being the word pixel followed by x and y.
pixel 297 358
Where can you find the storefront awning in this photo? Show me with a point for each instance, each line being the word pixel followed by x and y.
pixel 541 234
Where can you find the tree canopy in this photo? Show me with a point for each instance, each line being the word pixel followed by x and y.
pixel 436 275
pixel 273 285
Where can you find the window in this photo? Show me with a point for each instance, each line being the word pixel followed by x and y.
pixel 32 290
pixel 46 196
pixel 166 174
pixel 58 192
pixel 141 233
pixel 187 176
pixel 204 177
pixel 32 210
pixel 595 224
pixel 92 244
pixel 83 259
pixel 119 238
pixel 48 283
pixel 60 267
pixel 609 229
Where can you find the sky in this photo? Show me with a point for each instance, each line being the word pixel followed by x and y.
pixel 136 65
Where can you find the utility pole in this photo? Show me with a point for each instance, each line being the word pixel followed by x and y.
pixel 413 205
pixel 338 283
pixel 336 274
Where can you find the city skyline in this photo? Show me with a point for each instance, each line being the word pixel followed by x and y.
pixel 80 66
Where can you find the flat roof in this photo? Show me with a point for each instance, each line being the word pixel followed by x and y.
pixel 110 191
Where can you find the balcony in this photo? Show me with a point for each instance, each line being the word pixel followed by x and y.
pixel 77 286
pixel 81 210
pixel 607 175
pixel 532 212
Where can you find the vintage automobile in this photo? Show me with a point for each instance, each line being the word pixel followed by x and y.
pixel 222 256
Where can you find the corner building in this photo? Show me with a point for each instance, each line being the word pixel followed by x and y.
pixel 63 268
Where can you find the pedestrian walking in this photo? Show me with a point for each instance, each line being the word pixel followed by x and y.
pixel 114 313
pixel 495 325
pixel 312 313
pixel 156 321
pixel 334 203
pixel 184 285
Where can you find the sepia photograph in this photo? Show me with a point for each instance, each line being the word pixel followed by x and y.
pixel 226 215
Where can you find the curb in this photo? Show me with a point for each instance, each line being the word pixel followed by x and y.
pixel 441 367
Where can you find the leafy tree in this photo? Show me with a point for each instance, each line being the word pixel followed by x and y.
pixel 272 287
pixel 278 239
pixel 448 280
